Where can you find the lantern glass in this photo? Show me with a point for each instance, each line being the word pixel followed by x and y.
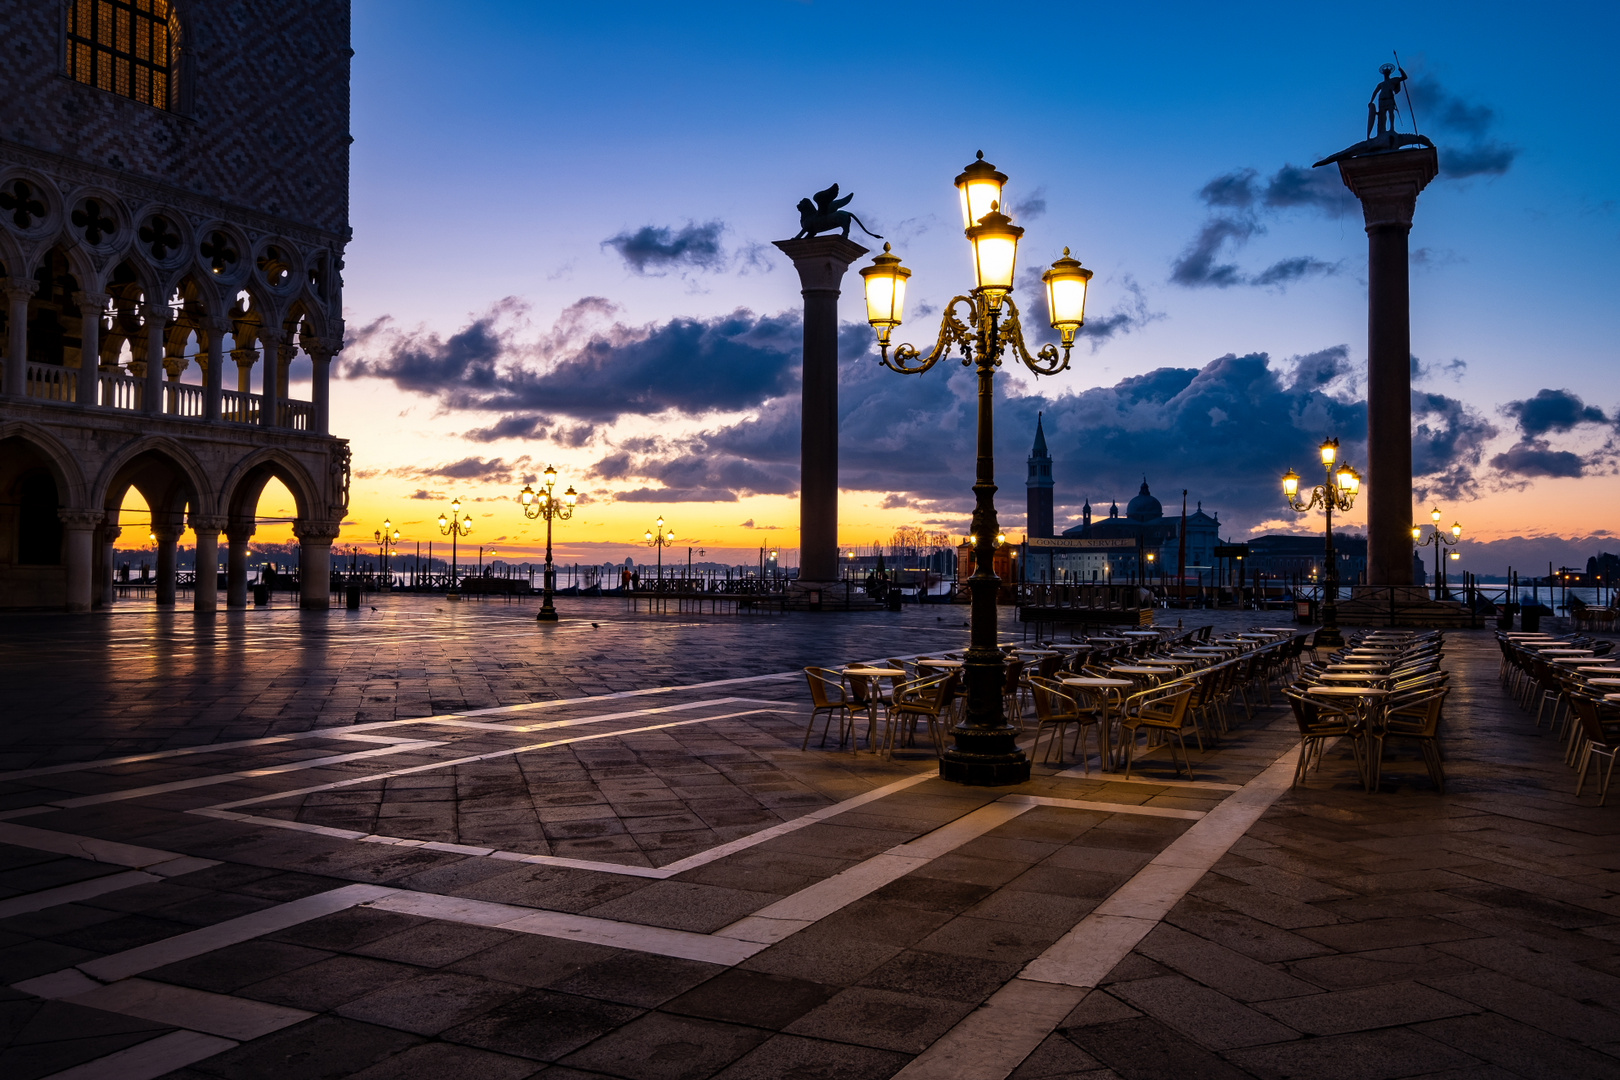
pixel 527 494
pixel 995 254
pixel 1290 482
pixel 443 521
pixel 1330 452
pixel 979 187
pixel 1346 478
pixel 1355 483
pixel 1456 530
pixel 649 538
pixel 570 496
pixel 455 506
pixel 1417 532
pixel 1066 284
pixel 551 475
pixel 885 290
pixel 1434 515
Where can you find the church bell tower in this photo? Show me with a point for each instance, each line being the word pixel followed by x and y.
pixel 1038 519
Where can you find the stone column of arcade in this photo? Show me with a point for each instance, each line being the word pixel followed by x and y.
pixel 214 377
pixel 80 527
pixel 270 378
pixel 168 536
pixel 315 563
pixel 91 305
pixel 156 316
pixel 321 387
pixel 18 293
pixel 205 597
pixel 110 532
pixel 237 535
pixel 1388 184
pixel 821 262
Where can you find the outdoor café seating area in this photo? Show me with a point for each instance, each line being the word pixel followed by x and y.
pixel 1572 684
pixel 1106 701
pixel 1383 688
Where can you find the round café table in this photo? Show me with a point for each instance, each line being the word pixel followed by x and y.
pixel 1111 690
pixel 1366 709
pixel 872 700
pixel 948 664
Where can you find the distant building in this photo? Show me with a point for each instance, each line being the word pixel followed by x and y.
pixel 1293 557
pixel 1038 488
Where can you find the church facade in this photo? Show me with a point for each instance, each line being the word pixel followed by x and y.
pixel 171 201
pixel 1141 545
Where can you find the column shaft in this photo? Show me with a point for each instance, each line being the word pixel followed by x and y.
pixel 321 391
pixel 315 574
pixel 18 293
pixel 205 597
pixel 91 306
pixel 152 395
pixel 270 377
pixel 214 377
pixel 236 556
pixel 167 538
pixel 80 549
pixel 1389 408
pixel 109 572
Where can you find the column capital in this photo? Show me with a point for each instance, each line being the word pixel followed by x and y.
pixel 98 301
pixel 75 518
pixel 270 336
pixel 212 524
pixel 316 531
pixel 821 261
pixel 1388 184
pixel 240 532
pixel 20 289
pixel 319 351
pixel 109 533
pixel 216 324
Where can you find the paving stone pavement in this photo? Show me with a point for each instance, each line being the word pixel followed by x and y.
pixel 432 839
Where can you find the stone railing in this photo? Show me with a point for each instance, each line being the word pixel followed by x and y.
pixel 120 391
pixel 127 393
pixel 52 383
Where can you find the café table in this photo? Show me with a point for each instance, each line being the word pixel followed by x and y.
pixel 1604 682
pixel 1599 660
pixel 1358 667
pixel 1550 653
pixel 874 671
pixel 1111 690
pixel 1367 700
pixel 946 664
pixel 1344 677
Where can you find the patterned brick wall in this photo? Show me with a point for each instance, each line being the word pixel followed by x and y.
pixel 268 129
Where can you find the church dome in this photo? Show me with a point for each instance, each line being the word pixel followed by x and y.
pixel 1144 507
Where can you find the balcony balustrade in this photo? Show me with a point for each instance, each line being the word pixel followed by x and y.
pixel 118 391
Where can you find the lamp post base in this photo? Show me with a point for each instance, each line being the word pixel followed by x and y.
pixel 452 595
pixel 1330 636
pixel 546 615
pixel 984 759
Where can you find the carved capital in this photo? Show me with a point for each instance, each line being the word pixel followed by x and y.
pixel 76 519
pixel 1388 184
pixel 166 534
pixel 316 532
pixel 159 312
pixel 91 303
pixel 20 290
pixel 110 533
pixel 821 261
pixel 206 524
pixel 269 338
pixel 319 351
pixel 240 532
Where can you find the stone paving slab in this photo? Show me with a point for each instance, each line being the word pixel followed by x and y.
pixel 1342 934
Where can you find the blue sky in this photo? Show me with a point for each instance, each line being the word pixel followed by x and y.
pixel 498 151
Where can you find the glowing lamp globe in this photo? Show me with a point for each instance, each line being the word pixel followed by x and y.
pixel 1330 452
pixel 979 186
pixel 885 292
pixel 1290 482
pixel 1066 284
pixel 995 255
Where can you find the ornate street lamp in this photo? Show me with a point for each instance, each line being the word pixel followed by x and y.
pixel 387 539
pixel 985 750
pixel 455 526
pixel 1439 540
pixel 657 537
pixel 545 503
pixel 1337 493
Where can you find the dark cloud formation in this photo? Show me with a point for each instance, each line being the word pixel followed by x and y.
pixel 691 365
pixel 1130 314
pixel 653 249
pixel 1030 207
pixel 1553 411
pixel 1448 444
pixel 492 470
pixel 1452 369
pixel 1239 200
pixel 509 427
pixel 1550 412
pixel 1472 148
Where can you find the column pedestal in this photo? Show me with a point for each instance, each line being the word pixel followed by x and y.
pixel 315 563
pixel 236 556
pixel 167 537
pixel 821 262
pixel 205 597
pixel 1388 185
pixel 80 527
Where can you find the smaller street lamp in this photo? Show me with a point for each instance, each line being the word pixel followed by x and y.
pixel 1439 540
pixel 658 537
pixel 387 538
pixel 455 526
pixel 1337 493
pixel 545 503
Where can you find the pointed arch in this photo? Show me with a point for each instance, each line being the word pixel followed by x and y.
pixel 169 477
pixel 69 476
pixel 239 495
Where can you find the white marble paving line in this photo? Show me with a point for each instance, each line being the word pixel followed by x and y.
pixel 150 1059
pixel 215 778
pixel 350 733
pixel 79 890
pixel 990 1042
pixel 152 860
pixel 1106 778
pixel 691 862
pixel 372 778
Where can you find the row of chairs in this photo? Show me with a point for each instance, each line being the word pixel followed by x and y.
pixel 1405 670
pixel 1582 714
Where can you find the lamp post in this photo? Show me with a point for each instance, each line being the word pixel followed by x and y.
pixel 387 539
pixel 1338 492
pixel 657 537
pixel 985 750
pixel 1439 540
pixel 545 504
pixel 455 526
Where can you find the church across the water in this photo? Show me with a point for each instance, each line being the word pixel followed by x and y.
pixel 1143 544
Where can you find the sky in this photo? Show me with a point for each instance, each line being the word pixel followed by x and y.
pixel 562 220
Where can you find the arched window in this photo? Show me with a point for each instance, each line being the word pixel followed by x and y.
pixel 130 47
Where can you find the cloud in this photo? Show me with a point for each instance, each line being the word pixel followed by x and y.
pixel 493 470
pixel 1531 458
pixel 1552 411
pixel 1129 315
pixel 1030 207
pixel 1240 201
pixel 1453 369
pixel 509 427
pixel 1474 150
pixel 655 248
pixel 1448 444
pixel 590 373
